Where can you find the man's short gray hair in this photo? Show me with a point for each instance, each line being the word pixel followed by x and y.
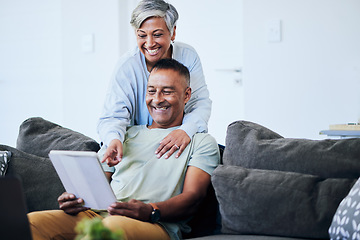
pixel 154 8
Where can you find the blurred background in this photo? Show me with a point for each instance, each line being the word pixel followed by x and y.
pixel 292 66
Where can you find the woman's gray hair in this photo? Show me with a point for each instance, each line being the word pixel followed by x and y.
pixel 154 8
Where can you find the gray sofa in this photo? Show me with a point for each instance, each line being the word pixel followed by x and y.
pixel 267 187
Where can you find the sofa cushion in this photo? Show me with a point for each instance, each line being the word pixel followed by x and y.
pixel 269 202
pixel 38 136
pixel 253 146
pixel 346 221
pixel 282 186
pixel 40 181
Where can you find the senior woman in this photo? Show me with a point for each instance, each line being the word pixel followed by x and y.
pixel 154 22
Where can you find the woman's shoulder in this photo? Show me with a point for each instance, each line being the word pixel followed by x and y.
pixel 131 59
pixel 185 53
pixel 184 47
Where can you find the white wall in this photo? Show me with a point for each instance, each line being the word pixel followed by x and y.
pixel 296 87
pixel 44 70
pixel 30 64
pixel 86 74
pixel 218 42
pixel 310 79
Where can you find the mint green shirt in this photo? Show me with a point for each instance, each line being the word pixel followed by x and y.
pixel 142 176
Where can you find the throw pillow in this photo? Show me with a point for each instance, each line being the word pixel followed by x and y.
pixel 38 136
pixel 253 146
pixel 40 181
pixel 346 221
pixel 268 202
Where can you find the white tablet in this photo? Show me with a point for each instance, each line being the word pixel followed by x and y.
pixel 81 174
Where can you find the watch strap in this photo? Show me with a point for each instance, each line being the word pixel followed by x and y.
pixel 154 206
pixel 155 213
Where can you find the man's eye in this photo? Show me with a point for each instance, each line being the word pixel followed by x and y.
pixel 167 92
pixel 151 92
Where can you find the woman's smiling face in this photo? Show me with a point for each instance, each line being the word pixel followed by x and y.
pixel 154 39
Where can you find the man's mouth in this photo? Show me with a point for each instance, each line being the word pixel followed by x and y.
pixel 161 108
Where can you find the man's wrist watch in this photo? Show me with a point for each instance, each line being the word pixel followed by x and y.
pixel 155 214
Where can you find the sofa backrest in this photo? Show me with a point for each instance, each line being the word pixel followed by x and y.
pixel 270 185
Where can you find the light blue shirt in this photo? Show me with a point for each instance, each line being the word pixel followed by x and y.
pixel 125 100
pixel 142 176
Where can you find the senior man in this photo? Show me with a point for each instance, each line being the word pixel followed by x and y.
pixel 156 197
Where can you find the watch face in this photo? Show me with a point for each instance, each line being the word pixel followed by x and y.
pixel 155 216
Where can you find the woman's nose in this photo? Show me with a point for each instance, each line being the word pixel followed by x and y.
pixel 149 41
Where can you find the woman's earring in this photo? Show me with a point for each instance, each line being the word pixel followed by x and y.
pixel 172 41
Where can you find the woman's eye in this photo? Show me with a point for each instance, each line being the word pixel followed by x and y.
pixel 142 36
pixel 157 35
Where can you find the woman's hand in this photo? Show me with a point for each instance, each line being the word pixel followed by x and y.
pixel 70 204
pixel 133 209
pixel 176 140
pixel 114 153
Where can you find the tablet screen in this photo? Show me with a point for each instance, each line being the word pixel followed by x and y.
pixel 81 174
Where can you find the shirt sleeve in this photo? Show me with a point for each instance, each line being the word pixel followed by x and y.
pixel 198 109
pixel 206 155
pixel 118 107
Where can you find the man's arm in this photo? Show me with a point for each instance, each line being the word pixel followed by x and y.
pixel 174 209
pixel 185 204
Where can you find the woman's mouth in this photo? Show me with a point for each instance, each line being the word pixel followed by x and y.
pixel 153 52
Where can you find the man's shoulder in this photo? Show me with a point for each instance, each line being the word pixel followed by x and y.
pixel 205 153
pixel 132 131
pixel 204 139
pixel 204 136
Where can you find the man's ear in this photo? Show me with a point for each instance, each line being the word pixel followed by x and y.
pixel 187 94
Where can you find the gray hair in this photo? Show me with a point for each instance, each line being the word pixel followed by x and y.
pixel 154 8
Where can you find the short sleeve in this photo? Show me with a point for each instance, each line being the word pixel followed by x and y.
pixel 206 155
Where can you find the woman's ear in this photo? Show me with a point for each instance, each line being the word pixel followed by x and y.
pixel 174 34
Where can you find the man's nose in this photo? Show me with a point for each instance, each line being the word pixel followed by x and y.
pixel 158 98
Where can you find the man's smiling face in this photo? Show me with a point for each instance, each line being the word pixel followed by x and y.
pixel 166 96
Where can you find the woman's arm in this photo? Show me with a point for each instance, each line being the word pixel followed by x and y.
pixel 123 97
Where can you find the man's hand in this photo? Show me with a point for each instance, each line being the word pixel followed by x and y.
pixel 114 153
pixel 176 140
pixel 133 209
pixel 70 204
